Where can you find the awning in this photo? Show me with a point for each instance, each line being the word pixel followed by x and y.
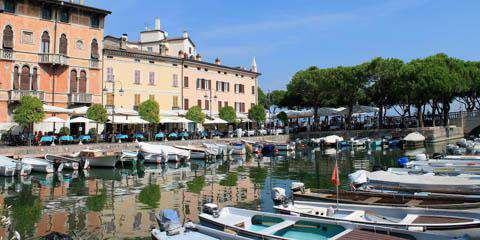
pixel 80 110
pixel 54 120
pixel 54 109
pixel 174 120
pixel 81 120
pixel 122 111
pixel 215 121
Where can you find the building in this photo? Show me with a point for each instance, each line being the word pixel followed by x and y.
pixel 50 49
pixel 171 71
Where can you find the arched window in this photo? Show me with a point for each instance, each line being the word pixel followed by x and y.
pixel 25 78
pixel 8 37
pixel 73 81
pixel 35 79
pixel 82 86
pixel 63 45
pixel 45 42
pixel 16 75
pixel 94 49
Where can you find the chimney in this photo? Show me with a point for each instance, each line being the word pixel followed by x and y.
pixel 157 23
pixel 123 42
pixel 217 61
pixel 198 57
pixel 185 34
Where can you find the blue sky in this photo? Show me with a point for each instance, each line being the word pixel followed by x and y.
pixel 287 36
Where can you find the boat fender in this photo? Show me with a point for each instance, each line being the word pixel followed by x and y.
pixel 330 211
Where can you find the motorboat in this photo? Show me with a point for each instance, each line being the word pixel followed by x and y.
pixel 408 218
pixel 264 225
pixel 197 152
pixel 157 153
pixel 7 168
pixel 359 142
pixel 100 158
pixel 42 165
pixel 21 169
pixel 237 149
pixel 131 158
pixel 220 149
pixel 376 143
pixel 71 162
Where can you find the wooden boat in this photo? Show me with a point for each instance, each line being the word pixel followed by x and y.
pixel 263 225
pixel 21 169
pixel 394 199
pixel 42 165
pixel 7 168
pixel 408 218
pixel 100 158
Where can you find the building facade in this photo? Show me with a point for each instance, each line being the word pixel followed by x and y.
pixel 50 49
pixel 171 71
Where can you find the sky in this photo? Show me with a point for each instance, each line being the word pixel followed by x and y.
pixel 288 36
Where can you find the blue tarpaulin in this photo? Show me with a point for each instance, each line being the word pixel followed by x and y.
pixel 170 215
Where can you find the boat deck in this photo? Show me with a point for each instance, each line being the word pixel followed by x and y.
pixel 358 234
pixel 440 220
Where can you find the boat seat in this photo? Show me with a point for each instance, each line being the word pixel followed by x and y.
pixel 414 202
pixel 372 199
pixel 408 219
pixel 272 229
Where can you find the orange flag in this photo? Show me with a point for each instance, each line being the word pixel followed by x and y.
pixel 335 178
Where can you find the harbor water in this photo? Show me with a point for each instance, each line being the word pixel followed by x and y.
pixel 121 203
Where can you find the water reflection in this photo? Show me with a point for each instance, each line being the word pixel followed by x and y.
pixel 121 203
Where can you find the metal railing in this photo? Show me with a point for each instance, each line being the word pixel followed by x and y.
pixel 80 98
pixel 6 54
pixel 16 95
pixel 465 114
pixel 51 58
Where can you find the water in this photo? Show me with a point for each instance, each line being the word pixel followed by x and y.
pixel 121 203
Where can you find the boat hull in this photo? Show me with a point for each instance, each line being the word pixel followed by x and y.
pixel 103 161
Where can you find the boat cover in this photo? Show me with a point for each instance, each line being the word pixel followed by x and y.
pixel 162 149
pixel 414 137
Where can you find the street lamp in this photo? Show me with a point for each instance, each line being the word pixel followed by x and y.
pixel 121 91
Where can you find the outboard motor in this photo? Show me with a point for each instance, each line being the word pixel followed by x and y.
pixel 278 195
pixel 169 222
pixel 298 187
pixel 211 209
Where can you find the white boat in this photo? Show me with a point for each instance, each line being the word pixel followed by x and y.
pixel 197 152
pixel 237 149
pixel 7 168
pixel 100 158
pixel 465 184
pixel 71 162
pixel 156 153
pixel 41 165
pixel 264 225
pixel 21 169
pixel 332 140
pixel 408 218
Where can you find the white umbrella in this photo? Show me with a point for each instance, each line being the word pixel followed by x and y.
pixel 136 120
pixel 54 120
pixel 80 110
pixel 54 109
pixel 174 120
pixel 122 111
pixel 215 121
pixel 81 120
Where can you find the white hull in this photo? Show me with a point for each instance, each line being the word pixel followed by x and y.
pixel 40 165
pixel 103 161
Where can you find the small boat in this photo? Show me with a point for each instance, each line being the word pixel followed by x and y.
pixel 408 218
pixel 42 165
pixel 197 152
pixel 130 158
pixel 414 140
pixel 7 168
pixel 157 153
pixel 21 169
pixel 100 158
pixel 72 162
pixel 388 198
pixel 264 225
pixel 394 142
pixel 359 142
pixel 237 149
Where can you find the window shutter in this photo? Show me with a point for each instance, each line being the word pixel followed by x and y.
pixel 34 79
pixel 73 81
pixel 16 83
pixel 63 45
pixel 8 37
pixel 82 88
pixel 25 78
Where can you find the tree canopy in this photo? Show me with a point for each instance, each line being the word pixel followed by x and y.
pixel 257 113
pixel 195 114
pixel 228 114
pixel 29 111
pixel 97 113
pixel 149 111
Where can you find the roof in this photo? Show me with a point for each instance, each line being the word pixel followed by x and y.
pixel 76 5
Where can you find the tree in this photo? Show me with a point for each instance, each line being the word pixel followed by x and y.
pixel 195 114
pixel 150 112
pixel 257 113
pixel 262 98
pixel 29 111
pixel 276 98
pixel 97 113
pixel 282 116
pixel 228 114
pixel 64 131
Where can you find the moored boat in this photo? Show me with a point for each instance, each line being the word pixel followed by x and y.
pixel 21 169
pixel 237 149
pixel 157 153
pixel 42 165
pixel 100 158
pixel 414 140
pixel 72 162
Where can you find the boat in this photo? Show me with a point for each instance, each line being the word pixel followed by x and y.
pixel 359 142
pixel 72 161
pixel 7 168
pixel 408 218
pixel 264 225
pixel 367 196
pixel 332 140
pixel 460 184
pixel 42 165
pixel 394 142
pixel 100 158
pixel 197 152
pixel 221 149
pixel 376 143
pixel 21 169
pixel 170 228
pixel 237 148
pixel 130 158
pixel 157 153
pixel 414 140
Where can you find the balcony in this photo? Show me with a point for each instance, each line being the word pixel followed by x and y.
pixel 53 59
pixel 94 64
pixel 82 98
pixel 6 54
pixel 16 95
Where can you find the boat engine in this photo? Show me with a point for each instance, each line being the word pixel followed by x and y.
pixel 298 187
pixel 212 209
pixel 278 195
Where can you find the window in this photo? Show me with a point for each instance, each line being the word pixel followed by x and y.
pixel 63 45
pixel 185 82
pixel 239 88
pixel 151 97
pixel 190 50
pixel 136 99
pixel 27 37
pixel 34 79
pixel 73 81
pixel 204 84
pixel 110 74
pixel 175 102
pixel 253 89
pixel 47 12
pixel 82 84
pixel 199 103
pixel 64 16
pixel 9 6
pixel 25 78
pixel 16 75
pixel 149 49
pixel 151 78
pixel 175 80
pixel 239 107
pixel 94 49
pixel 109 99
pixel 219 105
pixel 137 77
pixel 8 37
pixel 94 21
pixel 225 104
pixel 223 86
pixel 45 47
pixel 207 105
pixel 185 104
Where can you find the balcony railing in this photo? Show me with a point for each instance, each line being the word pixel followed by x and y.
pixel 6 54
pixel 54 59
pixel 94 64
pixel 80 98
pixel 16 95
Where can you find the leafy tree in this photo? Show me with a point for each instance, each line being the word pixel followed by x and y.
pixel 64 131
pixel 29 111
pixel 228 114
pixel 257 113
pixel 92 131
pixel 150 112
pixel 99 114
pixel 276 98
pixel 195 114
pixel 263 99
pixel 282 116
pixel 469 97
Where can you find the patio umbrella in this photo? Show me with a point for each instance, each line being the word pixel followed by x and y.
pixel 215 121
pixel 54 120
pixel 54 109
pixel 80 110
pixel 81 120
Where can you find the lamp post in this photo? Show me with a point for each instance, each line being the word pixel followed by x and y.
pixel 121 91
